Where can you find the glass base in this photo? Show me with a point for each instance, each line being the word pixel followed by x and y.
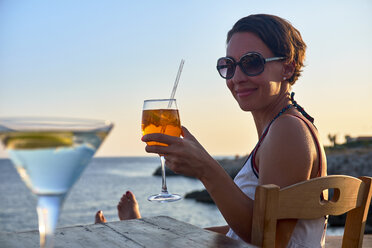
pixel 162 197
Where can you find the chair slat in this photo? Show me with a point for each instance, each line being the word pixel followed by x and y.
pixel 307 203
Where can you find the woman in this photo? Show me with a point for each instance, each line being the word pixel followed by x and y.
pixel 264 57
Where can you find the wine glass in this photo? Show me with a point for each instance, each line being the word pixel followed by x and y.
pixel 161 116
pixel 50 154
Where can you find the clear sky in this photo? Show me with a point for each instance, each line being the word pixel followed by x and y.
pixel 100 59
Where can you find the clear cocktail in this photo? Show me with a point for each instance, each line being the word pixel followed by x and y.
pixel 50 155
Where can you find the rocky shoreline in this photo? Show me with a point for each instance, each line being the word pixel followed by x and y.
pixel 354 162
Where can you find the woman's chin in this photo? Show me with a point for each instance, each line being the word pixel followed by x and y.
pixel 246 107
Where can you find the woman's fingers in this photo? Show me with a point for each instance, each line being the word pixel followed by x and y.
pixel 161 138
pixel 158 137
pixel 156 149
pixel 167 139
pixel 186 134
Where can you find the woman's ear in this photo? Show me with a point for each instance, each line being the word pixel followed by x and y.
pixel 288 69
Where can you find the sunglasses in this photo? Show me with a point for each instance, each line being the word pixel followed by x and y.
pixel 252 64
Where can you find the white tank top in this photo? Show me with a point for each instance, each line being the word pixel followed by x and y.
pixel 307 233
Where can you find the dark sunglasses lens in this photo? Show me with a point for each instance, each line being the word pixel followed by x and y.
pixel 226 67
pixel 252 64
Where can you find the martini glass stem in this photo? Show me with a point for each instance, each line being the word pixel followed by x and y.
pixel 164 189
pixel 48 208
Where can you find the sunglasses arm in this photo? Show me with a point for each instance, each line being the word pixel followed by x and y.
pixel 274 59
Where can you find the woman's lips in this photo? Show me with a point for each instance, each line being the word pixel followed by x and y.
pixel 245 92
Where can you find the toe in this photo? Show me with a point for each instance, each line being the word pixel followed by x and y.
pixel 130 196
pixel 99 217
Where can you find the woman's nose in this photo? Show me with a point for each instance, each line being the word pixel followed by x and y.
pixel 239 75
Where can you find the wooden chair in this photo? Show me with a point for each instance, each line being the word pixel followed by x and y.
pixel 303 201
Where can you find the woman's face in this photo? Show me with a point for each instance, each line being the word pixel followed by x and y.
pixel 254 92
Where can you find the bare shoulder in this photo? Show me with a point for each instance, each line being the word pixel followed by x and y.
pixel 286 155
pixel 289 128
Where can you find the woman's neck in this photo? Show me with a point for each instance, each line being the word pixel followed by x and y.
pixel 263 117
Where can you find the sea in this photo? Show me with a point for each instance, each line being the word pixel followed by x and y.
pixel 100 187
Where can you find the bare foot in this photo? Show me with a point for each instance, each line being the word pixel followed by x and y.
pixel 128 207
pixel 100 218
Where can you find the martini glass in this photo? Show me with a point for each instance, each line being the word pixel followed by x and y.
pixel 161 116
pixel 50 154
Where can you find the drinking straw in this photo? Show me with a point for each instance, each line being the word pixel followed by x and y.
pixel 176 82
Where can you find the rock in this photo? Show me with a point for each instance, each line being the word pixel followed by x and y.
pixel 200 196
pixel 338 220
pixel 368 229
pixel 351 162
pixel 232 166
pixel 168 172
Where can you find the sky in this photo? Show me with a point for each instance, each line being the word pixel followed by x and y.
pixel 101 59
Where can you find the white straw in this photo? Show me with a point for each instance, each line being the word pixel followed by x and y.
pixel 177 80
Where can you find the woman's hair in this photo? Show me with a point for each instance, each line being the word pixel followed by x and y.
pixel 278 34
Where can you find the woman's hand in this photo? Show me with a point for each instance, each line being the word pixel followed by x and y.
pixel 182 155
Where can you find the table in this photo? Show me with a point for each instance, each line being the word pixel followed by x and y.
pixel 154 232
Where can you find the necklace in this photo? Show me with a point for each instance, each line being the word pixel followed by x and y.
pixel 281 112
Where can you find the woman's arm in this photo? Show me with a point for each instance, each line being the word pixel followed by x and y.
pixel 286 157
pixel 186 156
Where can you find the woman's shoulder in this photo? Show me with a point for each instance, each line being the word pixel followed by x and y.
pixel 288 146
pixel 290 128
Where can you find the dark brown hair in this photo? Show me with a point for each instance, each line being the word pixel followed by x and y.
pixel 278 34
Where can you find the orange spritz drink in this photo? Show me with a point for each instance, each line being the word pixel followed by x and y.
pixel 161 116
pixel 166 121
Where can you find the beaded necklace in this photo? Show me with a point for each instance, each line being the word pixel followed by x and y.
pixel 297 106
pixel 281 112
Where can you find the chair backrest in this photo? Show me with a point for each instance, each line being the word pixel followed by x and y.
pixel 304 201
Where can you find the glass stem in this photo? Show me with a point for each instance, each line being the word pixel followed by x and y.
pixel 48 208
pixel 164 189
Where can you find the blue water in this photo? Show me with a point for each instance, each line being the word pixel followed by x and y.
pixel 100 187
